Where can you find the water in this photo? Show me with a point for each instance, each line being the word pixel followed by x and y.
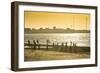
pixel 81 39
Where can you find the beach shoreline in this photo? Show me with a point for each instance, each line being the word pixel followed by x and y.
pixel 45 55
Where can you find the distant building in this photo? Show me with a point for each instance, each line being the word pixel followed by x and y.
pixel 54 28
pixel 41 28
pixel 27 30
pixel 33 29
pixel 68 28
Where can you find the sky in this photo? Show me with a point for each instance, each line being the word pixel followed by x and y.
pixel 59 20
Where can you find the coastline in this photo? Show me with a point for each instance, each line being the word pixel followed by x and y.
pixel 42 55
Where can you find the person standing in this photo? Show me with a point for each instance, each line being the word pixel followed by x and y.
pixel 34 43
pixel 29 44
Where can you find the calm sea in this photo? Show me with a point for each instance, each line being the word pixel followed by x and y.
pixel 81 39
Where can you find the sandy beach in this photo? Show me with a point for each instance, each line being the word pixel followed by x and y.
pixel 41 55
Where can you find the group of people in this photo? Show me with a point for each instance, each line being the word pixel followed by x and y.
pixel 36 44
pixel 66 44
pixel 64 47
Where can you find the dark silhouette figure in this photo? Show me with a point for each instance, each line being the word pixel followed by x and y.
pixel 75 47
pixel 62 46
pixel 57 46
pixel 34 44
pixel 66 46
pixel 47 42
pixel 71 43
pixel 71 46
pixel 29 44
pixel 53 44
pixel 74 44
pixel 38 45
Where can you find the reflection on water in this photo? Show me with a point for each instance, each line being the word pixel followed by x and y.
pixel 82 39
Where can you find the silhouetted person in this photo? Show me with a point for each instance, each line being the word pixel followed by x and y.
pixel 75 47
pixel 71 43
pixel 38 45
pixel 47 41
pixel 74 44
pixel 57 46
pixel 66 46
pixel 62 46
pixel 34 44
pixel 29 44
pixel 71 46
pixel 53 45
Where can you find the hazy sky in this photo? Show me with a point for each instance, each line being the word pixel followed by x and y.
pixel 60 20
